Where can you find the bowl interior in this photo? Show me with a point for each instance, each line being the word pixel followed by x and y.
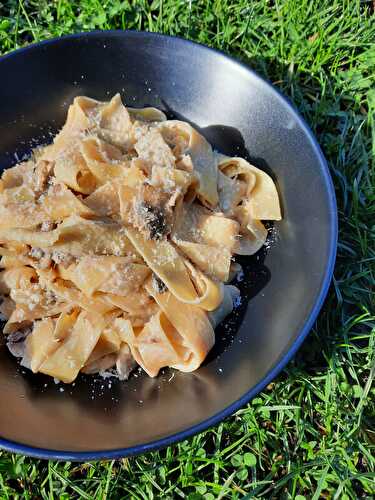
pixel 240 115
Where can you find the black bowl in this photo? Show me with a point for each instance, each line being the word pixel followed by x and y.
pixel 240 114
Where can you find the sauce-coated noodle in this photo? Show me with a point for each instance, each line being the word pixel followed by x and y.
pixel 117 243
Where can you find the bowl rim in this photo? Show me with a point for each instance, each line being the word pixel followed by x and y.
pixel 50 454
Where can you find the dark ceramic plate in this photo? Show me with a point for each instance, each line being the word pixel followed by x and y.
pixel 284 286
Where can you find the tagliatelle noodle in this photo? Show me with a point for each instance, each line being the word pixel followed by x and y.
pixel 117 242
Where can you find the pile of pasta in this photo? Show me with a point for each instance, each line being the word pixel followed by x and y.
pixel 117 243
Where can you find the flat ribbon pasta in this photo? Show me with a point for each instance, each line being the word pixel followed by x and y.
pixel 74 173
pixel 40 344
pixel 253 233
pixel 262 199
pixel 70 357
pixel 109 274
pixel 231 294
pixel 104 201
pixel 103 160
pixel 249 195
pixel 165 261
pixel 191 143
pixel 117 243
pixel 195 332
pixel 207 240
pixel 76 236
pixel 149 114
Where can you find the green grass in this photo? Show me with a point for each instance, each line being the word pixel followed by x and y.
pixel 311 433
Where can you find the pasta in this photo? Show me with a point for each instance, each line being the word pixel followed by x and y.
pixel 117 243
